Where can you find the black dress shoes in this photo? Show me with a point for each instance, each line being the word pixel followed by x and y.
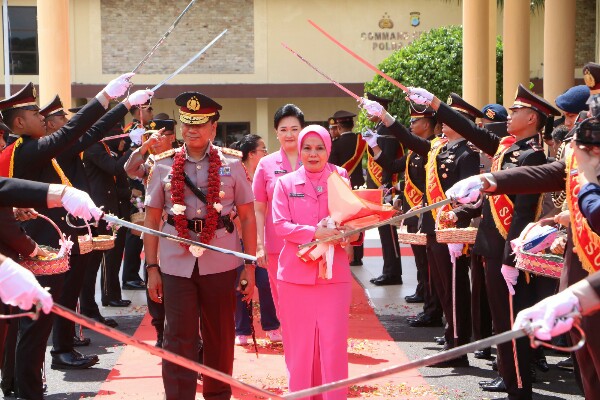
pixel 497 385
pixel 566 364
pixel 116 303
pixel 440 340
pixel 414 299
pixel 134 285
pixel 356 263
pixel 484 354
pixel 106 321
pixel 425 320
pixel 542 364
pixel 385 280
pixel 495 364
pixel 79 342
pixel 412 318
pixel 72 360
pixel 460 362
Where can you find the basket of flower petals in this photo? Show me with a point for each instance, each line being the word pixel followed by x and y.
pixel 447 232
pixel 86 243
pixel 51 261
pixel 539 250
pixel 103 242
pixel 415 238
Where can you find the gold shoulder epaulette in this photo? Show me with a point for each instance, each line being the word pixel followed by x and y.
pixel 535 145
pixel 165 154
pixel 230 152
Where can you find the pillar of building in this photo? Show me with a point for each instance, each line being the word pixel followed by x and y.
pixel 559 47
pixel 54 51
pixel 515 27
pixel 492 35
pixel 262 122
pixel 476 63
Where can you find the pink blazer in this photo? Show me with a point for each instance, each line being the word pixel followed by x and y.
pixel 297 209
pixel 270 168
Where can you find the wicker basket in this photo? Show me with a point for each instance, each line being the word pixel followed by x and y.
pixel 86 243
pixel 417 238
pixel 454 235
pixel 138 219
pixel 103 242
pixel 549 265
pixel 53 266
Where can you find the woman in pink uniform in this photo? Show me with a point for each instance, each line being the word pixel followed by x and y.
pixel 313 311
pixel 288 122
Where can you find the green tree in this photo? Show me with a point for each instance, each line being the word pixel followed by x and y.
pixel 434 62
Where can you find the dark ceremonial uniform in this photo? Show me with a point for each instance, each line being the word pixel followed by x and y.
pixel 72 165
pixel 347 152
pixel 33 159
pixel 495 246
pixel 198 286
pixel 412 166
pixel 448 162
pixel 378 177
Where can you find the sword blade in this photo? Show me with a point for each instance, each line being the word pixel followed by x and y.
pixel 117 221
pixel 359 58
pixel 191 60
pixel 348 91
pixel 157 351
pixel 388 221
pixel 163 38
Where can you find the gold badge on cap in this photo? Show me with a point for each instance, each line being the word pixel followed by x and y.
pixel 193 104
pixel 152 125
pixel 490 113
pixel 35 93
pixel 449 102
pixel 588 78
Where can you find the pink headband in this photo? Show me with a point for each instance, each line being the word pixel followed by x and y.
pixel 317 130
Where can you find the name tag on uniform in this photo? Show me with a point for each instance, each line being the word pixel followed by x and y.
pixel 280 171
pixel 296 194
pixel 225 171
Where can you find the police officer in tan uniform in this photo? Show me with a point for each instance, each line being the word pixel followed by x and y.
pixel 197 187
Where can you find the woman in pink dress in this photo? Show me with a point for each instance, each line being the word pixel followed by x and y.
pixel 313 311
pixel 288 122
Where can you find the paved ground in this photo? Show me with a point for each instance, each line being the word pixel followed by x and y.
pixel 392 311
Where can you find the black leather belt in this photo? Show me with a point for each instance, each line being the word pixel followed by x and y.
pixel 196 225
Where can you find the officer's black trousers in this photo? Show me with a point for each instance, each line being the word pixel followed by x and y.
pixel 392 263
pixel 432 306
pixel 87 300
pixel 111 287
pixel 131 257
pixel 480 308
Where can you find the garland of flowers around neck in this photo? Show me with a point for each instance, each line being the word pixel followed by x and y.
pixel 213 208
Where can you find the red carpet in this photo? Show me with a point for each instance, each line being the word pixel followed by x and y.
pixel 137 374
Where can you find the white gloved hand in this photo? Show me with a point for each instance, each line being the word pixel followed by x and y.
pixel 136 135
pixel 118 86
pixel 547 313
pixel 456 250
pixel 79 204
pixel 140 97
pixel 510 274
pixel 466 191
pixel 420 96
pixel 373 108
pixel 370 137
pixel 18 287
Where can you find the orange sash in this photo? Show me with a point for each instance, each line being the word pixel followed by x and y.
pixel 356 158
pixel 374 169
pixel 501 205
pixel 585 240
pixel 7 158
pixel 412 194
pixel 434 190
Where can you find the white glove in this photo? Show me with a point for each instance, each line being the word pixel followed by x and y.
pixel 79 204
pixel 420 96
pixel 373 108
pixel 510 274
pixel 547 313
pixel 118 86
pixel 370 137
pixel 456 250
pixel 18 287
pixel 140 97
pixel 466 191
pixel 136 135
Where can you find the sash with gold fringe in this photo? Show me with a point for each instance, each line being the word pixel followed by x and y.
pixel 356 158
pixel 374 169
pixel 434 190
pixel 412 194
pixel 501 206
pixel 585 240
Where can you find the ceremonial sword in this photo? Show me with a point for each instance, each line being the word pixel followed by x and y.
pixel 117 221
pixel 348 91
pixel 191 60
pixel 163 38
pixel 362 60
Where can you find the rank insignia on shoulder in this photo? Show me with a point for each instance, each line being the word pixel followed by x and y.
pixel 231 152
pixel 573 171
pixel 535 145
pixel 296 194
pixel 166 154
pixel 280 171
pixel 224 171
